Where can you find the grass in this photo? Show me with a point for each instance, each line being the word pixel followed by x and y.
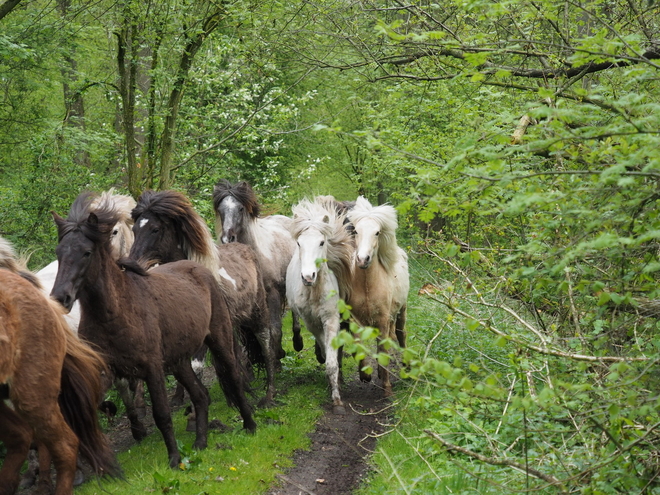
pixel 406 460
pixel 234 462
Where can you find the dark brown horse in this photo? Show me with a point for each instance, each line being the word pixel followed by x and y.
pixel 167 228
pixel 238 219
pixel 53 383
pixel 147 323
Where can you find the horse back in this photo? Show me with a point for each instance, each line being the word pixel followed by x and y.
pixel 30 332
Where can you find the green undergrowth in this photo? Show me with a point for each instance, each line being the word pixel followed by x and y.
pixel 406 459
pixel 235 461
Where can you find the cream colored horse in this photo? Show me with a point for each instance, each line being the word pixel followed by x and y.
pixel 380 283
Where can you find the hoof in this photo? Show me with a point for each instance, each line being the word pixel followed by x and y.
pixel 192 425
pixel 175 461
pixel 365 377
pixel 339 410
pixel 139 432
pixel 79 478
pixel 298 343
pixel 141 412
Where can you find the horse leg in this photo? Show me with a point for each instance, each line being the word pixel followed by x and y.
pixel 17 436
pixel 275 312
pixel 53 433
pixel 383 373
pixel 263 336
pixel 179 395
pixel 137 387
pixel 226 367
pixel 330 330
pixel 161 412
pixel 364 376
pixel 138 430
pixel 298 343
pixel 318 350
pixel 200 398
pixel 400 326
pixel 45 484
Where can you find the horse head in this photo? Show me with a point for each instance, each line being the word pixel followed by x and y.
pixel 167 228
pixel 374 229
pixel 84 236
pixel 235 205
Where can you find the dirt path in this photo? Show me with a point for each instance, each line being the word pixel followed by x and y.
pixel 336 462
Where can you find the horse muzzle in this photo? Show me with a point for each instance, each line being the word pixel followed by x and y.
pixel 363 263
pixel 309 281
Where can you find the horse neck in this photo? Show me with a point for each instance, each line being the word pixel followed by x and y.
pixel 103 287
pixel 388 252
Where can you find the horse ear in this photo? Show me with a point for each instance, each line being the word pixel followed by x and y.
pixel 58 219
pixel 326 219
pixel 93 219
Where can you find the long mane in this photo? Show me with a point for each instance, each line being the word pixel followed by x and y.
pixel 242 192
pixel 84 205
pixel 9 261
pixel 192 231
pixel 312 215
pixel 385 215
pixel 123 204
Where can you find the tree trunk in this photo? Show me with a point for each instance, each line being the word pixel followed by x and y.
pixel 127 67
pixel 73 98
pixel 187 57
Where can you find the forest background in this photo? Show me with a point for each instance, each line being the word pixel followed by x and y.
pixel 518 139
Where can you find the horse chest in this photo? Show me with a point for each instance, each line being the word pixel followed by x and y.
pixel 370 296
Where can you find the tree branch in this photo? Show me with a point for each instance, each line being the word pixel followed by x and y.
pixel 7 7
pixel 494 461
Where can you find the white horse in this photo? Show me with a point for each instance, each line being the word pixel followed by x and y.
pixel 380 284
pixel 122 240
pixel 237 214
pixel 317 276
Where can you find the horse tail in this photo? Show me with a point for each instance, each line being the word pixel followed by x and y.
pixel 80 396
pixel 255 355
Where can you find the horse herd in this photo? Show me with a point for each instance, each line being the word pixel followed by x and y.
pixel 147 289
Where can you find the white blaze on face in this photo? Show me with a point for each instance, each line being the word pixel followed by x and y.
pixel 143 222
pixel 366 240
pixel 223 273
pixel 230 207
pixel 312 249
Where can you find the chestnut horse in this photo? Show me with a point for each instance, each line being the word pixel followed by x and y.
pixel 147 323
pixel 317 277
pixel 167 228
pixel 380 283
pixel 237 219
pixel 50 386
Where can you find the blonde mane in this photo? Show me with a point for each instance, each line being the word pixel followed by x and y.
pixel 123 205
pixel 385 216
pixel 321 215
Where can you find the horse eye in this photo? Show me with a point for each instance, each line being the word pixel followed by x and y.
pixel 115 232
pixel 87 254
pixel 155 231
pixel 322 243
pixel 377 233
